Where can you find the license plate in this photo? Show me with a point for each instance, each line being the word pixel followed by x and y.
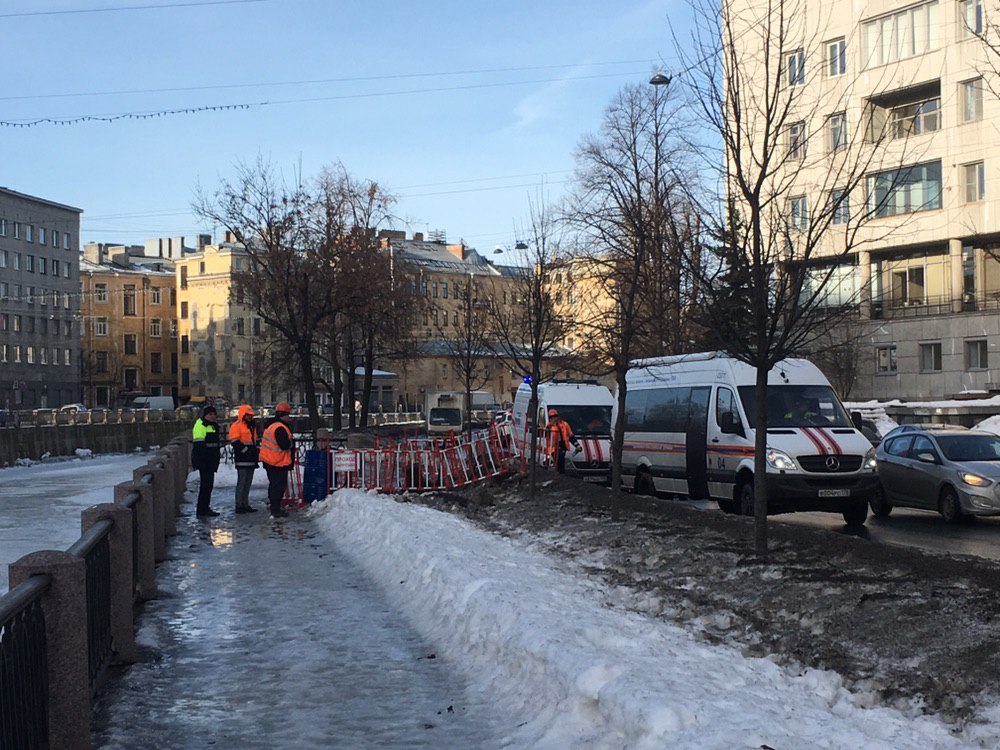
pixel 593 479
pixel 834 493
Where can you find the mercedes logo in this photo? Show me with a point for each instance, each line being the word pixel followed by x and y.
pixel 832 463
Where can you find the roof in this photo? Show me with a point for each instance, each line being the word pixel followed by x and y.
pixel 137 269
pixel 435 255
pixel 36 199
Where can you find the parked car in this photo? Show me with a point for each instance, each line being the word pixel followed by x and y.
pixel 953 472
pixel 904 429
pixel 870 431
pixel 72 409
pixel 502 417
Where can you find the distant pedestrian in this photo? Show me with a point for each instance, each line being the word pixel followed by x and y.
pixel 205 457
pixel 243 438
pixel 277 448
pixel 560 436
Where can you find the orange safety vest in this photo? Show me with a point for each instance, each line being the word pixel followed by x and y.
pixel 270 452
pixel 560 434
pixel 242 432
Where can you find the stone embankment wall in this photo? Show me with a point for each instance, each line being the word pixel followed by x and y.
pixel 34 441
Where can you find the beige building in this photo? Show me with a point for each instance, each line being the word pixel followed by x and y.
pixel 129 327
pixel 905 81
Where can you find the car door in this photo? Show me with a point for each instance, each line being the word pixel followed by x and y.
pixel 924 476
pixel 893 468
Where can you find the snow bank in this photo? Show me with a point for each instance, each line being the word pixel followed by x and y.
pixel 84 453
pixel 571 672
pixel 990 424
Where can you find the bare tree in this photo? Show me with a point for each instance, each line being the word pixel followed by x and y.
pixel 792 163
pixel 528 332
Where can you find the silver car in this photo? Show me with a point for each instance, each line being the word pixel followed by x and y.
pixel 956 473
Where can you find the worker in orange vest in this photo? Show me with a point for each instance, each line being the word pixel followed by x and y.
pixel 277 447
pixel 560 437
pixel 243 438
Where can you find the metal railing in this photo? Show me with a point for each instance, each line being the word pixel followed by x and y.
pixel 92 547
pixel 24 666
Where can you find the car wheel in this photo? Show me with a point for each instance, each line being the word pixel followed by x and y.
pixel 881 507
pixel 951 509
pixel 747 499
pixel 644 484
pixel 857 514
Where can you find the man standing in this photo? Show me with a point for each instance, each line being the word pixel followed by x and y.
pixel 276 450
pixel 243 437
pixel 205 457
pixel 559 439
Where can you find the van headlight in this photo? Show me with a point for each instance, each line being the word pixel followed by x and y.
pixel 779 460
pixel 870 463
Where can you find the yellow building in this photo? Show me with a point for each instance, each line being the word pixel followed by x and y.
pixel 129 332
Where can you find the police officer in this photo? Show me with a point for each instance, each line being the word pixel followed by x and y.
pixel 205 457
pixel 276 451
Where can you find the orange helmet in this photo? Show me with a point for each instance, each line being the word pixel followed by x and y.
pixel 283 408
pixel 553 413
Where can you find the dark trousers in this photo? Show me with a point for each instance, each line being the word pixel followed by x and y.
pixel 277 481
pixel 206 481
pixel 244 478
pixel 561 460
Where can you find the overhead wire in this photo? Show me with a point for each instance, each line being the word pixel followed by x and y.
pixel 115 9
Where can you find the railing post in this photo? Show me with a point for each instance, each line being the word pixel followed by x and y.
pixel 120 547
pixel 167 478
pixel 146 585
pixel 160 509
pixel 65 609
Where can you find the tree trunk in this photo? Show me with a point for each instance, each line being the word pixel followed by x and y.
pixel 760 467
pixel 338 392
pixel 617 443
pixel 366 385
pixel 531 418
pixel 349 382
pixel 309 383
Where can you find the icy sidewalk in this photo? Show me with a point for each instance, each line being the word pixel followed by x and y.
pixel 570 672
pixel 264 636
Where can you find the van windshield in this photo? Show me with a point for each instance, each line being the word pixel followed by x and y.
pixel 586 421
pixel 797 406
pixel 442 416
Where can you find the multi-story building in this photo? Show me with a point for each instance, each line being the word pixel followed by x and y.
pixel 925 267
pixel 129 336
pixel 39 302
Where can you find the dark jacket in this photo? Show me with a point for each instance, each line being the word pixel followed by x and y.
pixel 205 446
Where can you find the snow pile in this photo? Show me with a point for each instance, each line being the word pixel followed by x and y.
pixel 23 462
pixel 84 453
pixel 990 424
pixel 569 671
pixel 884 424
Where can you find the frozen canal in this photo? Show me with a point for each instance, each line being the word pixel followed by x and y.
pixel 265 636
pixel 40 505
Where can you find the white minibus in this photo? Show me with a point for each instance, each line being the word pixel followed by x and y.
pixel 689 430
pixel 586 406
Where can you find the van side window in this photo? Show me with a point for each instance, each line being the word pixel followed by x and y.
pixel 667 410
pixel 725 403
pixel 635 409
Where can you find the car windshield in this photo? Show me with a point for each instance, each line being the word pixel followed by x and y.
pixel 439 416
pixel 970 447
pixel 797 406
pixel 586 421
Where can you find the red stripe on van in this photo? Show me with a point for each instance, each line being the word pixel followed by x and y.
pixel 815 441
pixel 831 440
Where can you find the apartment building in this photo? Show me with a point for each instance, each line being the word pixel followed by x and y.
pixel 924 273
pixel 129 325
pixel 39 302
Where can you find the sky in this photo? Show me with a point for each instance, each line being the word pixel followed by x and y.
pixel 464 160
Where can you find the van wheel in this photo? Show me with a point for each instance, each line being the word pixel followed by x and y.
pixel 644 484
pixel 857 514
pixel 747 501
pixel 880 505
pixel 951 509
pixel 728 506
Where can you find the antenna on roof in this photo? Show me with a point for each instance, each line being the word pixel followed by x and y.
pixel 438 235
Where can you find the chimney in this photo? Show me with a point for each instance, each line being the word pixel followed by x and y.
pixel 418 236
pixel 229 237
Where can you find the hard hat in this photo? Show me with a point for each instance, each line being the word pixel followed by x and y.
pixel 283 408
pixel 553 413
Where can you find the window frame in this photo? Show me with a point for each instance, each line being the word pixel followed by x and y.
pixel 892 363
pixel 937 361
pixel 983 361
pixel 836 57
pixel 978 185
pixel 795 67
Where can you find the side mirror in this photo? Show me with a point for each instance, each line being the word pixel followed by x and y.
pixel 856 420
pixel 927 458
pixel 731 426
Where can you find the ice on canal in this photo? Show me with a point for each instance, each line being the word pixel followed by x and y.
pixel 40 505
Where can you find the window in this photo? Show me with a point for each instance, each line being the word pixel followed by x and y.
pixel 17 261
pixel 66 267
pixel 795 67
pixel 185 377
pixel 173 296
pixel 3 258
pixel 43 355
pixel 800 213
pixel 184 310
pixel 173 363
pixel 976 356
pixel 173 329
pixel 3 227
pixel 930 357
pixel 131 344
pixel 156 362
pixel 256 326
pixel 4 352
pixel 55 299
pixel 43 266
pixel 66 241
pixel 725 403
pixel 971 13
pixel 41 236
pixel 903 191
pixel 201 268
pixel 29 233
pixel 16 320
pixel 100 326
pixel 68 328
pixel 900 35
pixel 68 357
pixel 840 206
pixel 908 287
pixel 66 300
pixel 915 119
pixel 17 230
pixel 29 263
pixel 131 378
pixel 185 345
pixel 241 360
pixel 444 289
pixel 17 352
pixel 4 290
pixel 4 321
pixel 885 359
pixel 55 238
pixel 836 58
pixel 975 182
pixel 972 100
pixel 155 328
pixel 101 361
pixel 128 300
pixel 184 277
pixel 240 326
pixel 101 292
pixel 837 128
pixel 155 296
pixel 55 267
pixel 797 140
pixel 29 355
pixel 434 290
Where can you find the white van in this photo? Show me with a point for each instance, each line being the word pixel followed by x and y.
pixel 153 402
pixel 689 430
pixel 586 406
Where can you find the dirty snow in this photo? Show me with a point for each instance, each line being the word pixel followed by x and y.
pixel 990 424
pixel 568 670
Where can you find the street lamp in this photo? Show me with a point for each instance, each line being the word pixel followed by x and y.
pixel 661 78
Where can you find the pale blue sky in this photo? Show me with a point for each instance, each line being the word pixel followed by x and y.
pixel 444 152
